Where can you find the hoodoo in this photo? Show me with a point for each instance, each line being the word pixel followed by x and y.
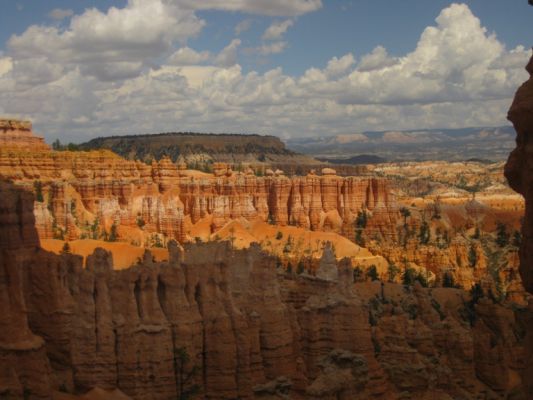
pixel 15 134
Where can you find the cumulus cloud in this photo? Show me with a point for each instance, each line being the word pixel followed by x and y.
pixel 228 56
pixel 457 75
pixel 454 61
pixel 272 48
pixel 338 66
pixel 60 14
pixel 243 26
pixel 118 40
pixel 188 56
pixel 275 8
pixel 377 59
pixel 6 65
pixel 277 29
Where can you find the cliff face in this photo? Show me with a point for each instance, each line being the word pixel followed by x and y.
pixel 23 360
pixel 18 135
pixel 228 323
pixel 79 188
pixel 519 172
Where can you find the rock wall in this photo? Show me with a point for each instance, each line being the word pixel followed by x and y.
pixel 231 325
pixel 519 173
pixel 79 187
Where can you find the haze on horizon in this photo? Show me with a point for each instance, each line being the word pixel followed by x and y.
pixel 288 68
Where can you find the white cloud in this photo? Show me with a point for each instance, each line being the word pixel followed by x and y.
pixel 338 66
pixel 115 41
pixel 228 56
pixel 243 26
pixel 378 59
pixel 275 8
pixel 454 61
pixel 6 65
pixel 277 29
pixel 60 14
pixel 271 48
pixel 458 75
pixel 188 56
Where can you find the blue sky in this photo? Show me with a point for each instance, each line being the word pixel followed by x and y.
pixel 283 67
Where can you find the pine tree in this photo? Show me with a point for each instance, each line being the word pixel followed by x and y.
pixel 113 234
pixel 502 236
pixel 357 273
pixel 66 248
pixel 424 235
pixel 300 268
pixel 447 280
pixel 38 186
pixel 472 256
pixel 372 273
pixel 409 276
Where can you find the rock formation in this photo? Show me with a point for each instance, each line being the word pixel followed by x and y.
pixel 79 188
pixel 18 135
pixel 228 323
pixel 519 172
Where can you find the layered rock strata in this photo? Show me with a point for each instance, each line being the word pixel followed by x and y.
pixel 80 188
pixel 230 324
pixel 18 135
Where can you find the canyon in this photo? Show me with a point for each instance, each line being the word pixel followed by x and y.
pixel 248 329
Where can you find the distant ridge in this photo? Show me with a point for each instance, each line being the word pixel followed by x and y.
pixel 360 159
pixel 227 147
pixel 489 143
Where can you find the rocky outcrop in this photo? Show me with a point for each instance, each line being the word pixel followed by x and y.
pixel 228 324
pixel 18 135
pixel 519 173
pixel 519 169
pixel 79 188
pixel 24 366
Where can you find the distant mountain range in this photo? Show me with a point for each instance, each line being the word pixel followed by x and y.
pixel 492 143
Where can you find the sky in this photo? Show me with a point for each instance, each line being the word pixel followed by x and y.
pixel 291 68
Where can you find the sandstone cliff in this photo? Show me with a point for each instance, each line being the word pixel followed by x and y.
pixel 18 135
pixel 81 189
pixel 230 324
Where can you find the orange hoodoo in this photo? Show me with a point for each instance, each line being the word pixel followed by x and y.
pixel 16 134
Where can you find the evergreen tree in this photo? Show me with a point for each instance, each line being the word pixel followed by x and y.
pixel 361 220
pixel 113 234
pixel 300 268
pixel 66 248
pixel 517 238
pixel 502 236
pixel 38 186
pixel 421 278
pixel 425 235
pixel 392 271
pixel 357 274
pixel 186 374
pixel 476 292
pixel 372 273
pixel 447 280
pixel 472 256
pixel 409 276
pixel 404 211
